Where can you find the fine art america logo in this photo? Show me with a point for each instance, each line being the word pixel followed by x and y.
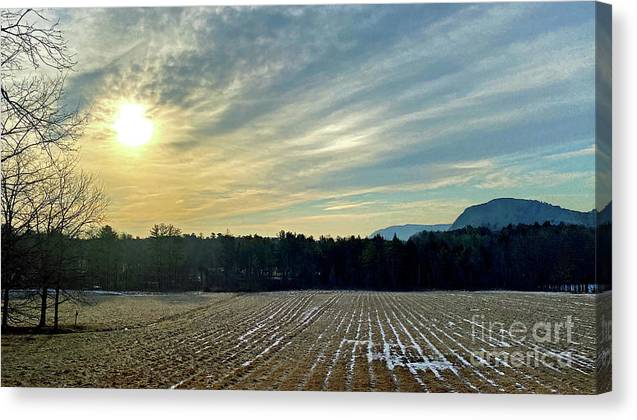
pixel 540 344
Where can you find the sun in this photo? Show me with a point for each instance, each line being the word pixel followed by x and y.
pixel 132 126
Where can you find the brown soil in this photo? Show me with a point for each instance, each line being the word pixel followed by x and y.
pixel 333 341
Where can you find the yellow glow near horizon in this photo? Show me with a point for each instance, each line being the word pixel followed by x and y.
pixel 132 126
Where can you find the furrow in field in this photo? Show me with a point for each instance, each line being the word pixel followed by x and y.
pixel 292 361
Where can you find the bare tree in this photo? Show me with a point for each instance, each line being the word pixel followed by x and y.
pixel 41 194
pixel 34 117
pixel 22 200
pixel 73 206
pixel 33 114
pixel 29 39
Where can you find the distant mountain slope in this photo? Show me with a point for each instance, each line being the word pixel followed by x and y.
pixel 502 212
pixel 404 232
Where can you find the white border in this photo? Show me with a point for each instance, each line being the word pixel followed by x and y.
pixel 45 404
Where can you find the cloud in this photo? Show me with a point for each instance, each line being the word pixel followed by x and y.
pixel 266 113
pixel 347 206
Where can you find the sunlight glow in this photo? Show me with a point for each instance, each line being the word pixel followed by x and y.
pixel 132 126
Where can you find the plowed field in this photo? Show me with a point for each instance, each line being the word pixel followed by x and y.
pixel 331 341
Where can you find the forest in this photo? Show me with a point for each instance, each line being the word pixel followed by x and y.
pixel 523 257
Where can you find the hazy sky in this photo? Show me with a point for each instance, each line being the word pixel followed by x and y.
pixel 336 120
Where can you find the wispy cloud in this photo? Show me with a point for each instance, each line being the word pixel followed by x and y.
pixel 317 115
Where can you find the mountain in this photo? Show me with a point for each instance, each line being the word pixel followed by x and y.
pixel 404 232
pixel 502 212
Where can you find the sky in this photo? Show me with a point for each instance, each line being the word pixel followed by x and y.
pixel 335 120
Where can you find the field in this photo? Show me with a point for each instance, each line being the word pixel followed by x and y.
pixel 311 340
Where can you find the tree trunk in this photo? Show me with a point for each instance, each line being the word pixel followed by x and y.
pixel 44 295
pixel 57 304
pixel 204 280
pixel 5 308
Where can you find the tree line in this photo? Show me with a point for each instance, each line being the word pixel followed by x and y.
pixel 522 257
